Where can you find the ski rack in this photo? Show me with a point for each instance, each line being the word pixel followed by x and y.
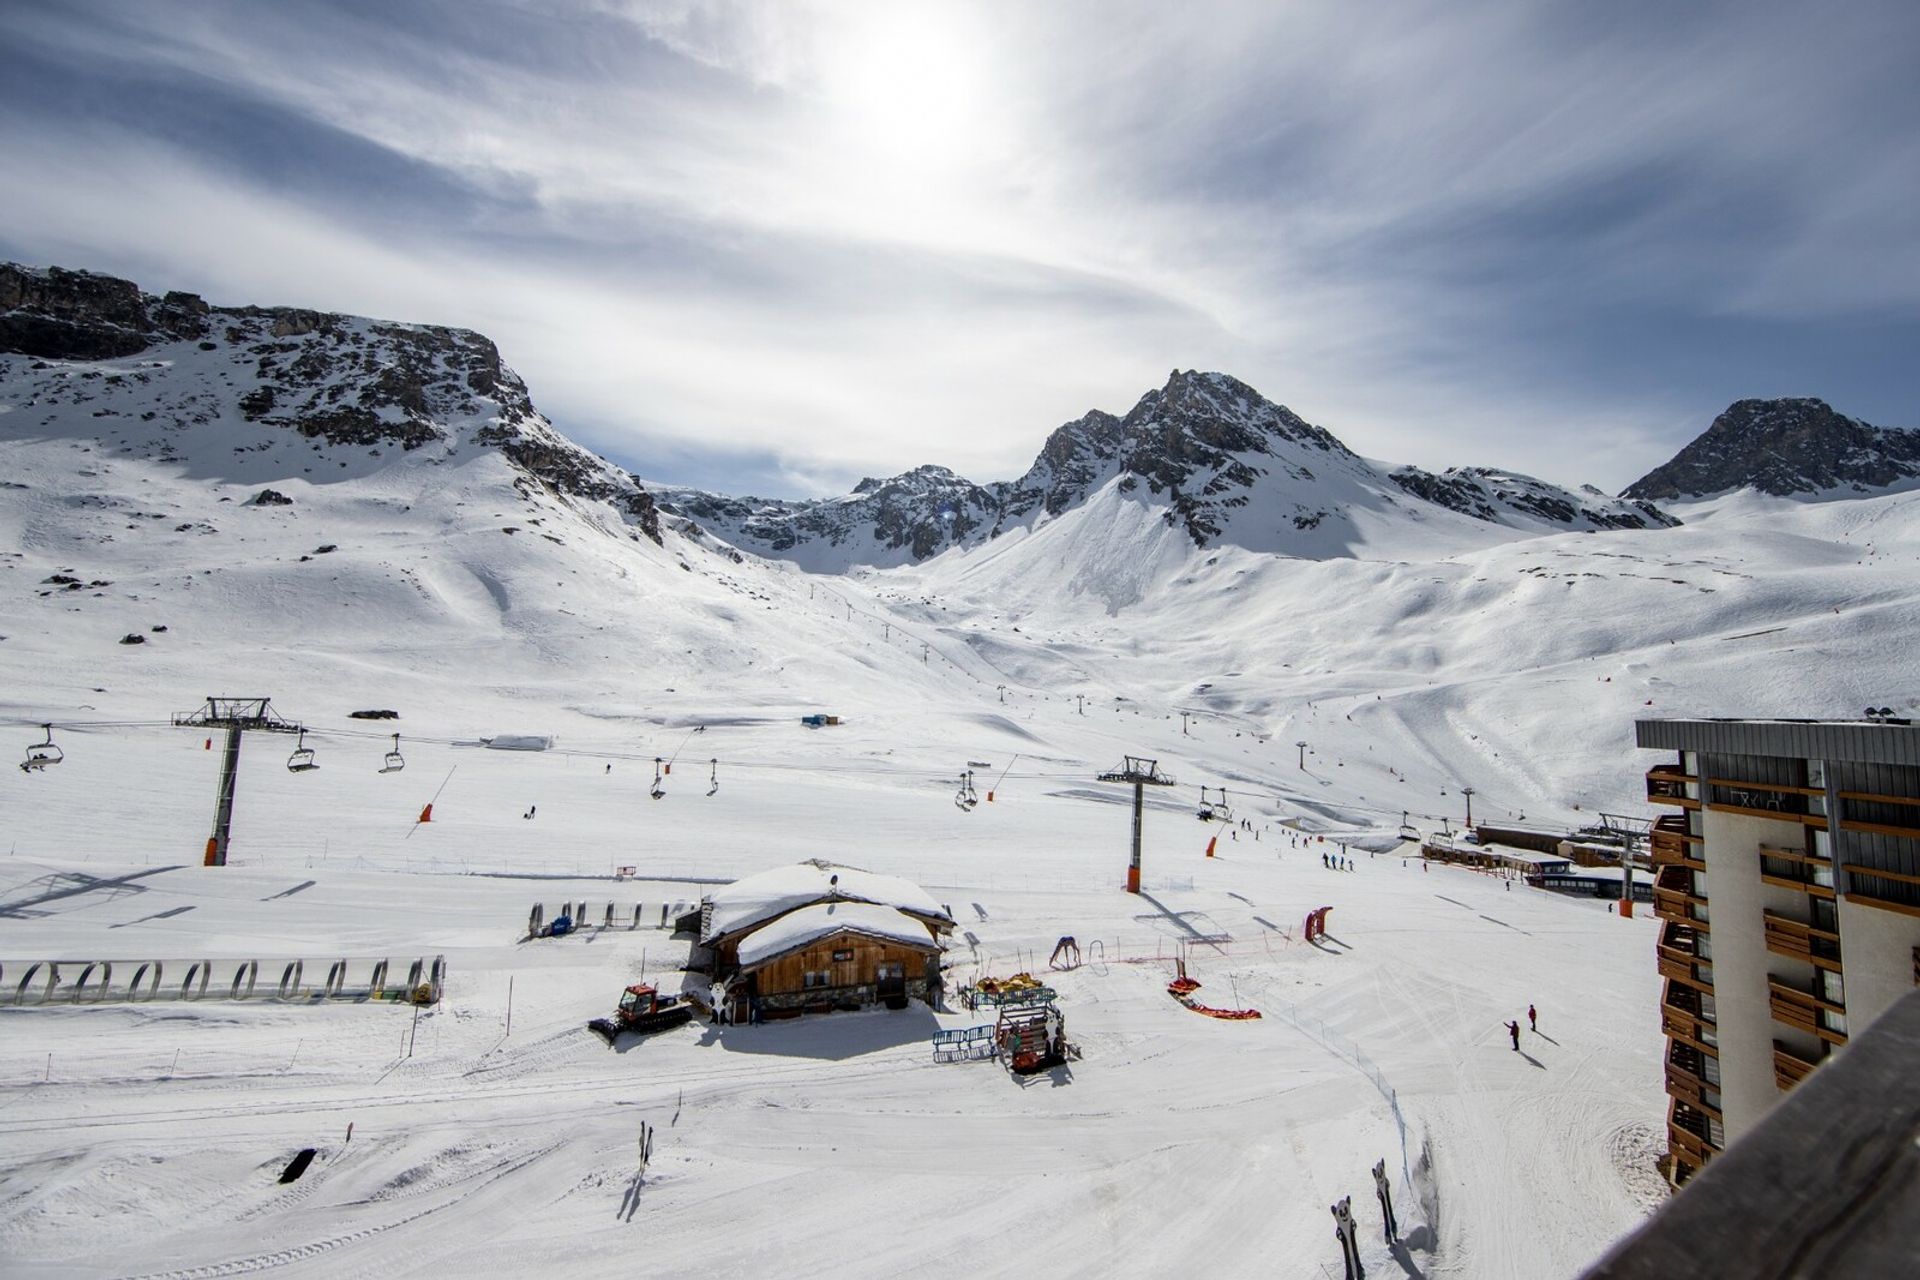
pixel 53 982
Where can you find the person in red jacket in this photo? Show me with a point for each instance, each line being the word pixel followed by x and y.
pixel 1533 1019
pixel 1513 1029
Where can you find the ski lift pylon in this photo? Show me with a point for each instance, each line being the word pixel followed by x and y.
pixel 302 758
pixel 394 762
pixel 42 754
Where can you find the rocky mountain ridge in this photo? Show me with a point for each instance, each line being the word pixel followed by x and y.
pixel 1226 463
pixel 1215 459
pixel 1488 494
pixel 1785 447
pixel 294 381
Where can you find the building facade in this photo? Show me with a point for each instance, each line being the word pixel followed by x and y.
pixel 1787 883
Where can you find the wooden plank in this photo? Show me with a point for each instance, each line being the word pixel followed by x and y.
pixel 1880 829
pixel 1868 797
pixel 1785 789
pixel 1814 820
pixel 1901 876
pixel 1882 904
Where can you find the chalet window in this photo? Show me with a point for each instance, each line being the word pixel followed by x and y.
pixel 842 953
pixel 818 979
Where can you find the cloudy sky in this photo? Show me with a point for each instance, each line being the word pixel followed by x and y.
pixel 774 247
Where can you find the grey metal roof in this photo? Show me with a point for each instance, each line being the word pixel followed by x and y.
pixel 1859 740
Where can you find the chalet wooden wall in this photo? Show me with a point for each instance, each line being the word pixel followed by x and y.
pixel 787 975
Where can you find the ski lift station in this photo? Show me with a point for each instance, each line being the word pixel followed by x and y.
pixel 815 937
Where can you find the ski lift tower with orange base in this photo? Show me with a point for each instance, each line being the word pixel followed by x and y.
pixel 1142 773
pixel 236 716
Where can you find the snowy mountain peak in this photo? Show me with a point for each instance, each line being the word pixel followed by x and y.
pixel 1785 447
pixel 260 391
pixel 1210 455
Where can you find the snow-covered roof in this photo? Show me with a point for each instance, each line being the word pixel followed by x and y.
pixel 1609 875
pixel 748 902
pixel 1525 855
pixel 808 925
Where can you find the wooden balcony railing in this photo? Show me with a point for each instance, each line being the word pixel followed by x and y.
pixel 1792 1008
pixel 1787 937
pixel 1687 1087
pixel 1895 890
pixel 1687 1133
pixel 1797 941
pixel 1681 966
pixel 1789 1068
pixel 1801 1011
pixel 1684 938
pixel 1670 844
pixel 1667 787
pixel 1680 1018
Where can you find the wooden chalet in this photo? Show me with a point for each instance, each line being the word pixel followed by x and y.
pixel 817 936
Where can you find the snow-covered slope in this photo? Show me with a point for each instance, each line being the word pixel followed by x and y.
pixel 345 499
pixel 1207 454
pixel 1412 648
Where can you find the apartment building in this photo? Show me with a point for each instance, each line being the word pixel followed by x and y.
pixel 1787 883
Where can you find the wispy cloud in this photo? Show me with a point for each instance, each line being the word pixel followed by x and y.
pixel 804 242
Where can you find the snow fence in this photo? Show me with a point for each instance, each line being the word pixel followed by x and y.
pixel 57 982
pixel 1416 1170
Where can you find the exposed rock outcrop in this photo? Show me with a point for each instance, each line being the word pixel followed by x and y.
pixel 1785 447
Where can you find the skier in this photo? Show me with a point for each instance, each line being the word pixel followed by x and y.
pixel 1533 1020
pixel 1513 1029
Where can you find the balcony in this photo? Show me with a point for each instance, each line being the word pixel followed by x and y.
pixel 1765 799
pixel 1672 845
pixel 1673 853
pixel 1687 1087
pixel 1797 941
pixel 1687 1130
pixel 1682 1016
pixel 1789 1068
pixel 1681 967
pixel 1666 785
pixel 1884 888
pixel 1685 939
pixel 1687 1077
pixel 1672 892
pixel 1679 956
pixel 1801 1010
pixel 1796 869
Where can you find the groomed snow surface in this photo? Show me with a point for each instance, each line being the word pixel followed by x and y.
pixel 146 1140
